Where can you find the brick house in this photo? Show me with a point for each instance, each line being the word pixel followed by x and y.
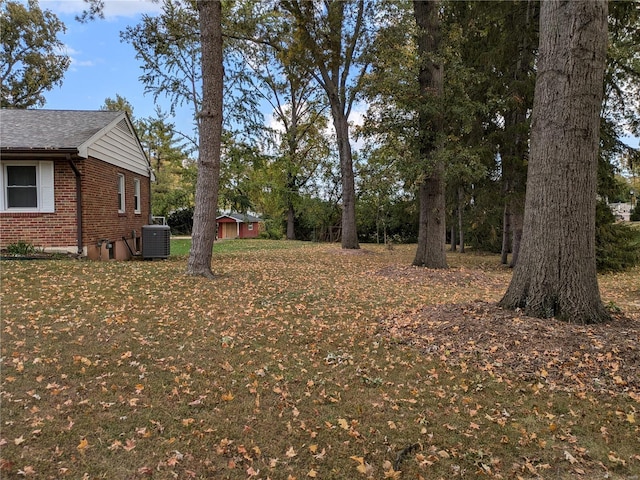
pixel 237 225
pixel 73 181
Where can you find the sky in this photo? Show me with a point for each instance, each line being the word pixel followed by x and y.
pixel 101 65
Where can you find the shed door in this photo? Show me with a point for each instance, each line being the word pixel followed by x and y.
pixel 229 230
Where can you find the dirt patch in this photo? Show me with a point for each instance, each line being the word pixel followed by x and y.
pixel 548 353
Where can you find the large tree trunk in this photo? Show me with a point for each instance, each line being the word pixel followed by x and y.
pixel 556 271
pixel 431 229
pixel 349 229
pixel 291 218
pixel 210 122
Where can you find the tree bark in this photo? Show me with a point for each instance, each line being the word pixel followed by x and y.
pixel 208 181
pixel 556 273
pixel 349 229
pixel 291 216
pixel 432 228
pixel 452 234
pixel 460 219
pixel 506 233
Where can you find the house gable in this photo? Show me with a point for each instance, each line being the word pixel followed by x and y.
pixel 104 135
pixel 118 145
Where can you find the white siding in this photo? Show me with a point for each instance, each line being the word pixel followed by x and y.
pixel 120 149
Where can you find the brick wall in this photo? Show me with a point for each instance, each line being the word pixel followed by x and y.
pixel 46 229
pixel 101 220
pixel 100 209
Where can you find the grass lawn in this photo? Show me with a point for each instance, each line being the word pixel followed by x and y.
pixel 303 361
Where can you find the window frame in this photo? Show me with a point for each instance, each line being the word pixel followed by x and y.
pixel 136 196
pixel 45 180
pixel 122 189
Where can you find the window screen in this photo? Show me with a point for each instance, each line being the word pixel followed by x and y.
pixel 22 188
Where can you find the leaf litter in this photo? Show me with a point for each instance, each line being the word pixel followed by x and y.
pixel 303 363
pixel 569 357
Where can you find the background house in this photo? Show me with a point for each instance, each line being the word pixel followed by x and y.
pixel 237 225
pixel 73 181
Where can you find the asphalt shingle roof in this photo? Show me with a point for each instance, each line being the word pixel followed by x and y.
pixel 51 129
pixel 242 217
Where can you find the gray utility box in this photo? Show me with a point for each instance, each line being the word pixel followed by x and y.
pixel 156 241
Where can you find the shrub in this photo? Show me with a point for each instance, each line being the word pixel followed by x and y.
pixel 181 221
pixel 21 248
pixel 617 244
pixel 272 230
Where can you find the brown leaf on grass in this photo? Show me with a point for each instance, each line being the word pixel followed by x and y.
pixel 549 353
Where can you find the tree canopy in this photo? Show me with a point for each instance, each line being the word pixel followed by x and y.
pixel 32 59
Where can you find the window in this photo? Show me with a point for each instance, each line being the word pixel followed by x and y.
pixel 27 187
pixel 250 226
pixel 136 195
pixel 22 189
pixel 121 204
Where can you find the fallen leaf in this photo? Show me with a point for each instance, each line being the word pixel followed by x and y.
pixel 291 453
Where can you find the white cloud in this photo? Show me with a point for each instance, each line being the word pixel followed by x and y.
pixel 113 9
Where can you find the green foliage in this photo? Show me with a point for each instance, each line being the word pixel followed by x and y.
pixel 21 248
pixel 635 213
pixel 272 230
pixel 181 221
pixel 31 61
pixel 118 104
pixel 617 244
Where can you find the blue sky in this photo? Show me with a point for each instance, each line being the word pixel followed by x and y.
pixel 101 65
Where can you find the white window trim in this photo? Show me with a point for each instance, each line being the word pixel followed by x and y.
pixel 44 186
pixel 136 196
pixel 122 207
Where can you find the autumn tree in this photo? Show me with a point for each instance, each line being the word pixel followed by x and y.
pixel 210 139
pixel 169 155
pixel 118 104
pixel 32 59
pixel 168 47
pixel 432 229
pixel 556 272
pixel 295 139
pixel 333 37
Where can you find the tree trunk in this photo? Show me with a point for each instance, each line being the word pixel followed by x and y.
pixel 291 233
pixel 556 272
pixel 452 234
pixel 460 222
pixel 431 229
pixel 515 144
pixel 208 181
pixel 506 233
pixel 517 220
pixel 349 229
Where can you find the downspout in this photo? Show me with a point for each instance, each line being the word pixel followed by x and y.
pixel 74 167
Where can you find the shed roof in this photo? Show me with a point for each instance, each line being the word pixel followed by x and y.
pixel 240 217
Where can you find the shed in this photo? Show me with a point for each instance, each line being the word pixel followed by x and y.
pixel 237 225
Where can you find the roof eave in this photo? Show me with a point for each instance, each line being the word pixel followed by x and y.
pixel 28 153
